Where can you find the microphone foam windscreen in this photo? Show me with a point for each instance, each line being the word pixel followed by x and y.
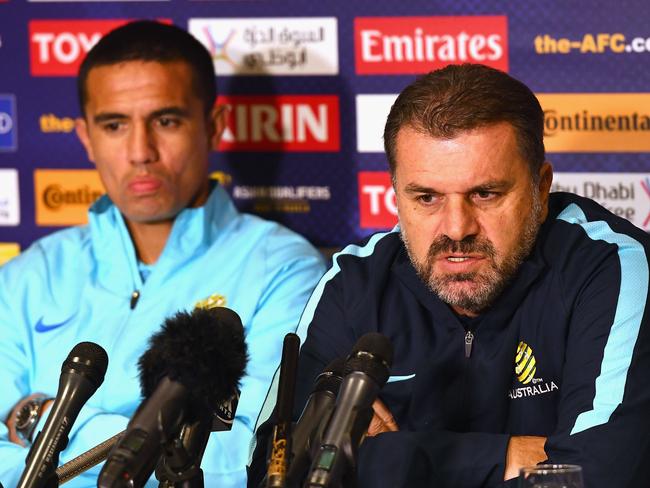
pixel 204 350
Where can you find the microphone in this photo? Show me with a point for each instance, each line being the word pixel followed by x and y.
pixel 281 438
pixel 193 365
pixel 81 374
pixel 366 371
pixel 313 420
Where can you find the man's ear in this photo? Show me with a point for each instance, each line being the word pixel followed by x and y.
pixel 545 178
pixel 218 116
pixel 544 185
pixel 81 128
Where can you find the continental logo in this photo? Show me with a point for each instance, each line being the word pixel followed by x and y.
pixel 64 196
pixel 591 43
pixel 596 122
pixel 8 250
pixel 525 363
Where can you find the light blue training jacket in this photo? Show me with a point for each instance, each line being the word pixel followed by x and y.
pixel 77 284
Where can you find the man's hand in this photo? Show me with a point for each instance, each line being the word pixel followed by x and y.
pixel 382 420
pixel 523 451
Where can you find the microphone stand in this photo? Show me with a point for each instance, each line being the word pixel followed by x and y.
pixel 180 462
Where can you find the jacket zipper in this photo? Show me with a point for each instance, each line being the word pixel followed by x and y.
pixel 135 296
pixel 469 340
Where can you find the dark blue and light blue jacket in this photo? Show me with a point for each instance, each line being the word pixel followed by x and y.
pixel 564 353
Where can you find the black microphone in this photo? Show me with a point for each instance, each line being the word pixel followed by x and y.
pixel 193 365
pixel 81 374
pixel 281 438
pixel 366 371
pixel 308 432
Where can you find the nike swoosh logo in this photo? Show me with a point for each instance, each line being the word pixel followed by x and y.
pixel 41 327
pixel 393 379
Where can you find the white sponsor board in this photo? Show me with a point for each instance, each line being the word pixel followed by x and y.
pixel 372 111
pixel 625 194
pixel 9 200
pixel 270 46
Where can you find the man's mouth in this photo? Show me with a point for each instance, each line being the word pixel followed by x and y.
pixel 457 259
pixel 145 184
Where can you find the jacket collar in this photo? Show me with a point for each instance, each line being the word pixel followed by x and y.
pixel 193 231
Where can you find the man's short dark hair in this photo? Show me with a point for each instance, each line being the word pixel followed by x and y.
pixel 458 98
pixel 146 40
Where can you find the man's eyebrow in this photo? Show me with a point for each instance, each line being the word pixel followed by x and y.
pixel 415 188
pixel 487 186
pixel 175 111
pixel 106 116
pixel 491 186
pixel 112 116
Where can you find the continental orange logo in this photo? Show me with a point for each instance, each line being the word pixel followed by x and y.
pixel 64 195
pixel 8 250
pixel 596 122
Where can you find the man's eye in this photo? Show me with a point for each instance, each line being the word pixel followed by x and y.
pixel 112 126
pixel 485 195
pixel 168 122
pixel 426 198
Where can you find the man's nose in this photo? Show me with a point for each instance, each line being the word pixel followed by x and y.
pixel 141 145
pixel 459 219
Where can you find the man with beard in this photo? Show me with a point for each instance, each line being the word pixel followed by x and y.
pixel 517 316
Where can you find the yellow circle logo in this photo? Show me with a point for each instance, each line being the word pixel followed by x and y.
pixel 525 364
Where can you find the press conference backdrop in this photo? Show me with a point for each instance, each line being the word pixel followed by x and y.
pixel 310 84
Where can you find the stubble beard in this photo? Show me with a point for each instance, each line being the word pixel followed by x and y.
pixel 485 285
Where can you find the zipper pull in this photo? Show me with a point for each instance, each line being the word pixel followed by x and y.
pixel 469 339
pixel 134 298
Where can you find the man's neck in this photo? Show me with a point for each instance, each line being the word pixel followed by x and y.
pixel 149 239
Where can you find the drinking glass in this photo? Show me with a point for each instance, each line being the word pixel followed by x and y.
pixel 551 476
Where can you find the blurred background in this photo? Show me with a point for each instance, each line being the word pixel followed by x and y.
pixel 309 85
